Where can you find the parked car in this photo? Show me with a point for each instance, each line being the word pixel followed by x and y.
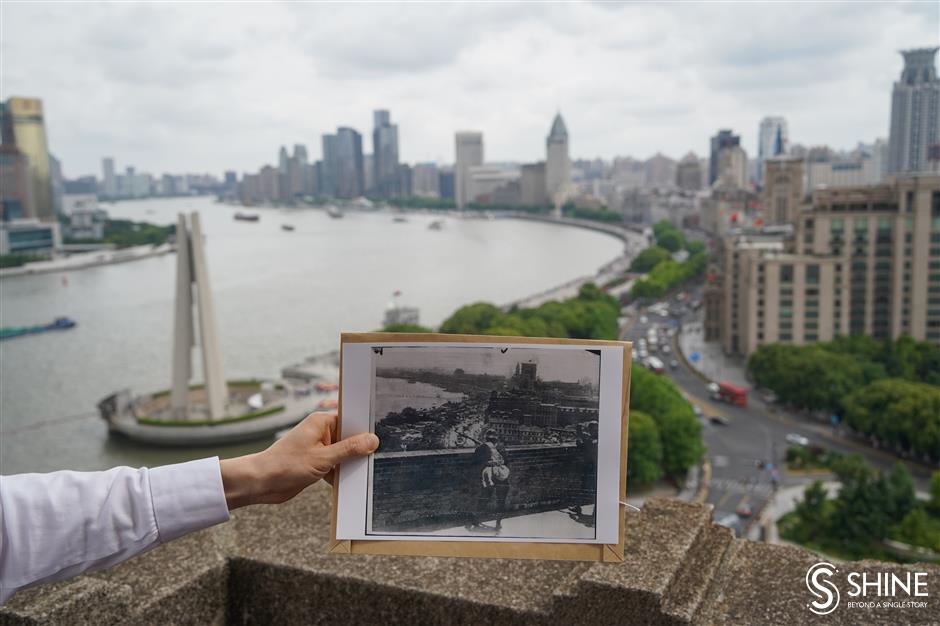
pixel 797 440
pixel 673 364
pixel 719 420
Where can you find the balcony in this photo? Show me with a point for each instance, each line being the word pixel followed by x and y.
pixel 269 565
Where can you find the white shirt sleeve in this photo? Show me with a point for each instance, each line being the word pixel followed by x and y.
pixel 58 525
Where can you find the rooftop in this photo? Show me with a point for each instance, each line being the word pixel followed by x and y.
pixel 270 565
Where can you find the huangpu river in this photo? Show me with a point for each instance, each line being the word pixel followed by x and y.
pixel 279 297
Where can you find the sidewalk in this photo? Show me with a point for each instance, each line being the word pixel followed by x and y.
pixel 711 361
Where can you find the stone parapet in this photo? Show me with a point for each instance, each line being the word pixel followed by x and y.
pixel 269 565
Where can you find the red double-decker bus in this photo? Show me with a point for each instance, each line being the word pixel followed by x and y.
pixel 732 394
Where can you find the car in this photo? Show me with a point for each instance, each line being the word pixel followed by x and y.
pixel 719 420
pixel 673 364
pixel 712 388
pixel 697 410
pixel 666 349
pixel 769 397
pixel 744 511
pixel 644 319
pixel 797 440
pixel 733 522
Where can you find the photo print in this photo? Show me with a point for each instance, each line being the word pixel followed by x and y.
pixel 484 441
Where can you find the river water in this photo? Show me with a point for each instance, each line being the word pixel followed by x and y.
pixel 279 297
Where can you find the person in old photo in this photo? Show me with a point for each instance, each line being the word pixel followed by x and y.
pixel 490 476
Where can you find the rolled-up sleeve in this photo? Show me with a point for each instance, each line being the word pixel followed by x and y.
pixel 55 526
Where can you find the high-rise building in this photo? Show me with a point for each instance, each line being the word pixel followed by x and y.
pixel 724 139
pixel 23 126
pixel 326 179
pixel 16 186
pixel 773 139
pixel 532 186
pixel 732 166
pixel 426 180
pixel 385 155
pixel 782 194
pixel 689 173
pixel 860 261
pixel 469 153
pixel 915 112
pixel 557 162
pixel 350 179
pixel 446 182
pixel 109 182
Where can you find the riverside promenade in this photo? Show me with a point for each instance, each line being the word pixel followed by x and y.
pixel 634 242
pixel 88 259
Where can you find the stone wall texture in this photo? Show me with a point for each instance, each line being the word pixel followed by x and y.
pixel 269 565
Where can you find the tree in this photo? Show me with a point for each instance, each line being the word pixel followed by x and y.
pixel 406 328
pixel 670 240
pixel 912 411
pixel 644 461
pixel 649 258
pixel 811 513
pixel 472 319
pixel 933 505
pixel 679 430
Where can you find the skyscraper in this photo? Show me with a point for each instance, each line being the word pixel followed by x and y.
pixel 385 173
pixel 350 180
pixel 109 181
pixel 689 173
pixel 326 181
pixel 724 139
pixel 469 153
pixel 23 126
pixel 773 139
pixel 557 163
pixel 915 112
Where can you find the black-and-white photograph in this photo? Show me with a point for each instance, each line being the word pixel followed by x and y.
pixel 484 441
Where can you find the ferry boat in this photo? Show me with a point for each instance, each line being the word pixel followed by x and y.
pixel 247 217
pixel 436 225
pixel 334 211
pixel 287 227
pixel 60 323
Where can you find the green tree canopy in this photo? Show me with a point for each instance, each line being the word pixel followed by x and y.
pixel 644 461
pixel 649 258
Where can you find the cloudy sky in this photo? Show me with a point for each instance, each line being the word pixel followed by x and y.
pixel 202 88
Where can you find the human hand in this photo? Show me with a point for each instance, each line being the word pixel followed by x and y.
pixel 303 456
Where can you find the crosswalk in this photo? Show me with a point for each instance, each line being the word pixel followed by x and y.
pixel 740 486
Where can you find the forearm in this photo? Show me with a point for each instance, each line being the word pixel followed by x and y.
pixel 61 524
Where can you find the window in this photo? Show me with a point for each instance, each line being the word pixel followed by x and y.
pixel 812 274
pixel 786 273
pixel 861 225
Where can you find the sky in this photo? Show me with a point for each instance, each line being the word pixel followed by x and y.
pixel 173 87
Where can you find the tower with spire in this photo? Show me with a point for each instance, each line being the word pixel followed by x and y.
pixel 557 162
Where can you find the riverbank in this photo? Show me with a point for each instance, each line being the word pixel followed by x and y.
pixel 89 259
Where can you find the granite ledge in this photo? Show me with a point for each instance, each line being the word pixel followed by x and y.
pixel 269 565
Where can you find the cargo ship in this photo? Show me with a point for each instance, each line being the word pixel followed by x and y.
pixel 60 323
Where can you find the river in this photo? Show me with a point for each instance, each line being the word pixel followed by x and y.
pixel 279 297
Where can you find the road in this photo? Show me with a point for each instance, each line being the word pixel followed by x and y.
pixel 753 434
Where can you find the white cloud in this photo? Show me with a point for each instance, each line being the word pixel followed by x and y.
pixel 207 87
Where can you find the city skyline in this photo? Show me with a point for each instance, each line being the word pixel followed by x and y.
pixel 684 84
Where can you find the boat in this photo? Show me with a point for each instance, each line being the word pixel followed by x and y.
pixel 334 211
pixel 436 225
pixel 287 227
pixel 60 323
pixel 400 219
pixel 247 217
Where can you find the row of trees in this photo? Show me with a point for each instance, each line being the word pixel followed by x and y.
pixel 591 315
pixel 862 380
pixel 669 274
pixel 870 507
pixel 664 273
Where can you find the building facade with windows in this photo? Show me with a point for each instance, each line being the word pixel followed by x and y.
pixel 862 260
